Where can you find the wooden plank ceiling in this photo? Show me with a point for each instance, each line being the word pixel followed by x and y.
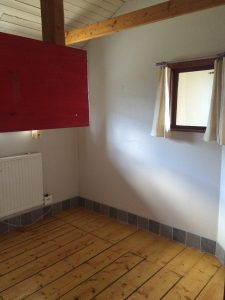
pixel 23 17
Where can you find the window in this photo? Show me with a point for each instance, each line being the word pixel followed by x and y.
pixel 191 89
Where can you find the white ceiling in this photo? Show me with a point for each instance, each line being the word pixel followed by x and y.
pixel 23 17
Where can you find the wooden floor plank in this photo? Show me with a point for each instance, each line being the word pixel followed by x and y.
pixel 18 236
pixel 185 261
pixel 66 213
pixel 115 231
pixel 86 255
pixel 82 221
pixel 46 261
pixel 192 284
pixel 95 224
pixel 215 288
pixel 158 250
pixel 24 258
pixel 172 250
pixel 104 278
pixel 39 251
pixel 125 286
pixel 53 271
pixel 157 286
pixel 78 218
pixel 20 230
pixel 27 244
pixel 9 236
pixel 31 234
pixel 64 284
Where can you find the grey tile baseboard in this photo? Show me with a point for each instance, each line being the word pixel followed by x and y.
pixel 189 239
pixel 220 253
pixel 36 214
pixel 186 238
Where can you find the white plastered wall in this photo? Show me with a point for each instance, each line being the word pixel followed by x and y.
pixel 174 181
pixel 221 219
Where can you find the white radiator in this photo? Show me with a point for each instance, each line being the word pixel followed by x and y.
pixel 21 183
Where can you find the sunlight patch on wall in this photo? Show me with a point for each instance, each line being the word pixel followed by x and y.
pixel 164 189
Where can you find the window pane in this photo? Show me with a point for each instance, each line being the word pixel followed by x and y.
pixel 193 98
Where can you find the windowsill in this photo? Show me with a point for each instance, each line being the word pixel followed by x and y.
pixel 188 128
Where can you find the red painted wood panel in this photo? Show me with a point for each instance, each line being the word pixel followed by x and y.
pixel 42 85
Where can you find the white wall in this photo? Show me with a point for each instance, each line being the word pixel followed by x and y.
pixel 221 219
pixel 60 158
pixel 174 181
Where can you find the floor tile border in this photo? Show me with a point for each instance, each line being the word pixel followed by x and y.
pixel 176 234
pixel 187 238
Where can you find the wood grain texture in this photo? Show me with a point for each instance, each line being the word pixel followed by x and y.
pixel 214 288
pixel 191 285
pixel 23 17
pixel 157 286
pixel 155 13
pixel 98 282
pixel 71 257
pixel 52 16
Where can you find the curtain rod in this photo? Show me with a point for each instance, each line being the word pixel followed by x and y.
pixel 221 55
pixel 165 64
pixel 162 64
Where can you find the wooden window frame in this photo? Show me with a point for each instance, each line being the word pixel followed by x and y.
pixel 176 69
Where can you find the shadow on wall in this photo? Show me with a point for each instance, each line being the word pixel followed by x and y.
pixel 149 191
pixel 123 166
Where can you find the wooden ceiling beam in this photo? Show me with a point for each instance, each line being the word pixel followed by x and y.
pixel 155 13
pixel 52 15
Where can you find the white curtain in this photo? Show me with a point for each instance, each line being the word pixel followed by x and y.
pixel 215 130
pixel 161 120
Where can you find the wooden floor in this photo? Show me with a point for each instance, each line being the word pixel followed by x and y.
pixel 83 255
